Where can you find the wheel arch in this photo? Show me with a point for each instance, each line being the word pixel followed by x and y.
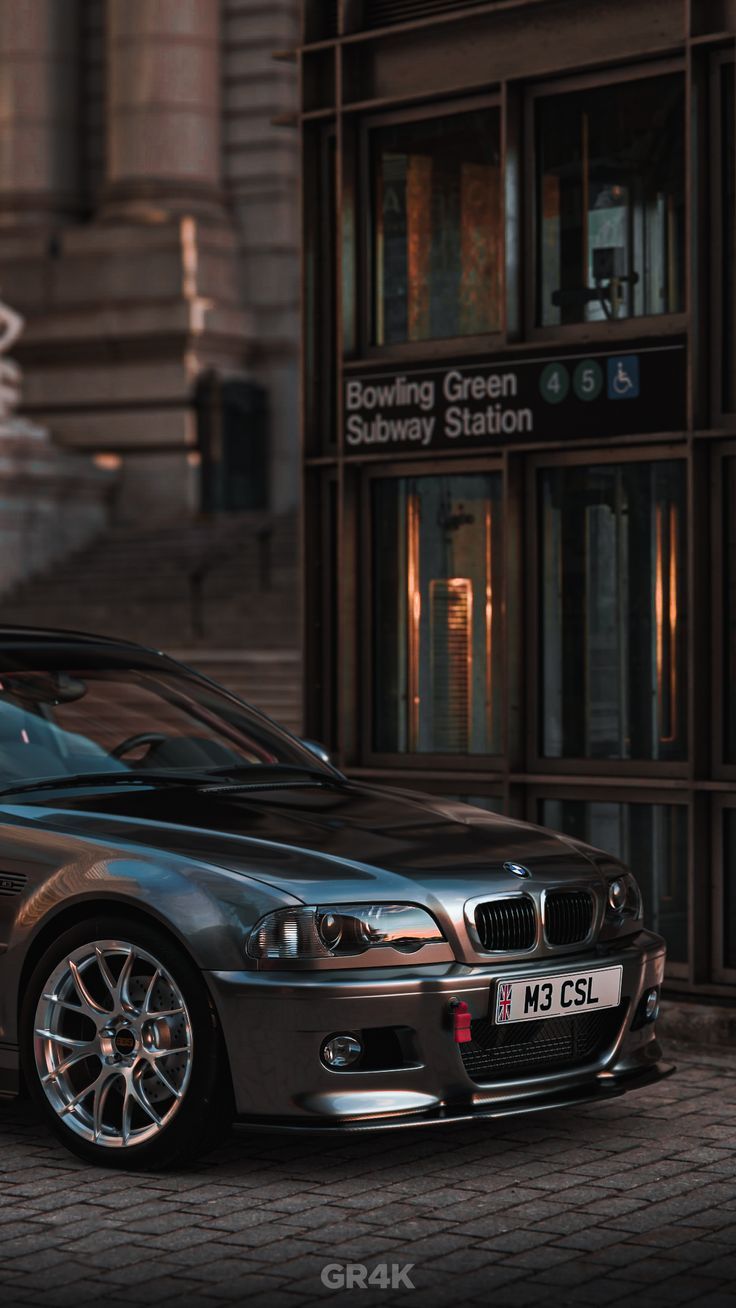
pixel 94 910
pixel 89 909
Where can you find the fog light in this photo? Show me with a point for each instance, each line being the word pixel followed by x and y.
pixel 617 895
pixel 651 1005
pixel 341 1051
pixel 647 1010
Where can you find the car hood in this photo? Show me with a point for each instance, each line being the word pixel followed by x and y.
pixel 316 842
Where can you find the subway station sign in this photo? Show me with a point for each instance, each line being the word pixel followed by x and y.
pixel 583 395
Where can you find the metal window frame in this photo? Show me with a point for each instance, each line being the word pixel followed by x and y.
pixel 721 767
pixel 566 333
pixel 721 970
pixel 719 60
pixel 405 351
pixel 317 141
pixel 625 794
pixel 370 757
pixel 707 787
pixel 643 768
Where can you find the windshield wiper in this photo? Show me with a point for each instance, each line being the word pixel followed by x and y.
pixel 210 779
pixel 107 779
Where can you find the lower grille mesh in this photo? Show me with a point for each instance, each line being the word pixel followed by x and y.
pixel 499 1053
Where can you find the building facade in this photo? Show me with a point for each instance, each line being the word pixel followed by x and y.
pixel 149 236
pixel 519 418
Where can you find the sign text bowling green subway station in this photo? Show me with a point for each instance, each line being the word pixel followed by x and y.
pixel 475 404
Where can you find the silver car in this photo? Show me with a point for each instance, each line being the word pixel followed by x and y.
pixel 202 920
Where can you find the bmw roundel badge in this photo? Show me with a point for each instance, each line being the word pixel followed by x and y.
pixel 517 869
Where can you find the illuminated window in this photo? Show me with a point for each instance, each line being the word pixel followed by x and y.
pixel 437 228
pixel 652 840
pixel 612 647
pixel 610 202
pixel 437 562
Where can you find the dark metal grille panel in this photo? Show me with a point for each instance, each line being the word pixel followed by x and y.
pixel 505 924
pixel 321 20
pixel 329 21
pixel 12 883
pixel 568 916
pixel 385 13
pixel 501 1052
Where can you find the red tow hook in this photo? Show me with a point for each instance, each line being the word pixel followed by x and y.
pixel 460 1022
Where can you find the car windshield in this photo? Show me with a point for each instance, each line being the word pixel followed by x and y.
pixel 72 720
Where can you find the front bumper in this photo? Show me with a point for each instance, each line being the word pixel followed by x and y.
pixel 275 1024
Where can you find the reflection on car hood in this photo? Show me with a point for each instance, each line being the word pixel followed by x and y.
pixel 312 840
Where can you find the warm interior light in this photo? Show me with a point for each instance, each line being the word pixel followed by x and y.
pixel 109 462
pixel 673 618
pixel 451 609
pixel 666 620
pixel 489 625
pixel 414 605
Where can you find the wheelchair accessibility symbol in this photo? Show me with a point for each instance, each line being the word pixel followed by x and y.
pixel 623 377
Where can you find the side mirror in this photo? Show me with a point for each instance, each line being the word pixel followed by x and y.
pixel 319 751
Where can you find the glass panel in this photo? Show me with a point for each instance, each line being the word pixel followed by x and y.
pixel 729 887
pixel 610 199
pixel 652 840
pixel 728 198
pixel 437 228
pixel 612 651
pixel 437 616
pixel 58 720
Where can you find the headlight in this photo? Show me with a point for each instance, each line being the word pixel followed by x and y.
pixel 333 931
pixel 624 898
pixel 617 894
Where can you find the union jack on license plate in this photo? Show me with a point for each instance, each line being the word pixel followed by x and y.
pixel 503 1011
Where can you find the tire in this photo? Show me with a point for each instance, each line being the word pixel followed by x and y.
pixel 116 1006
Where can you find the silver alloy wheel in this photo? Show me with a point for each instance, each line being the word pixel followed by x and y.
pixel 113 1043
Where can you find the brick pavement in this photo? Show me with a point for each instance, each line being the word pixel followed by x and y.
pixel 631 1202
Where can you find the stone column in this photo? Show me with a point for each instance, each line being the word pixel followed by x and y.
pixel 163 126
pixel 38 111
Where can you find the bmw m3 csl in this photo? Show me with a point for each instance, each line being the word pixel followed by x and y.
pixel 202 920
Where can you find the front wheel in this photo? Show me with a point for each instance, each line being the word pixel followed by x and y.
pixel 121 1049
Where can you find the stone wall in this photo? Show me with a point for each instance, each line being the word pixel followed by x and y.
pixel 51 503
pixel 150 226
pixel 261 176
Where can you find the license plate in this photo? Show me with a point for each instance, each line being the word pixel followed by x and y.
pixel 538 997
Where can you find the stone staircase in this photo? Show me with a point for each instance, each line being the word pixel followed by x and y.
pixel 221 594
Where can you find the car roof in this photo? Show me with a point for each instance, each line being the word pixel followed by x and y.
pixel 44 636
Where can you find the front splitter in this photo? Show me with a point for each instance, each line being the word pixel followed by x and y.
pixel 599 1091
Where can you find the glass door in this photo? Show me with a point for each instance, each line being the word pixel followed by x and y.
pixel 437 567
